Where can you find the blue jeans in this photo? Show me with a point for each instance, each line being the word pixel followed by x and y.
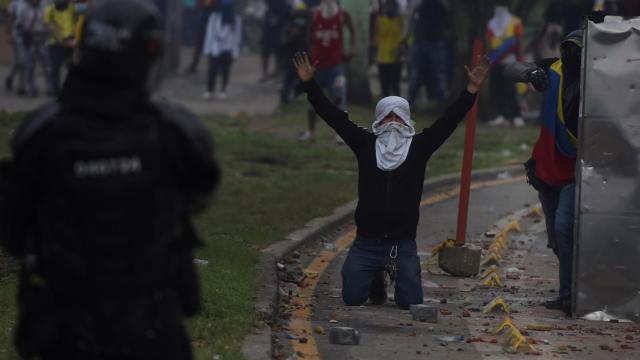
pixel 428 67
pixel 368 257
pixel 558 208
pixel 335 83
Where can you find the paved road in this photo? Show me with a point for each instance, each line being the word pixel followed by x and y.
pixel 388 332
pixel 245 93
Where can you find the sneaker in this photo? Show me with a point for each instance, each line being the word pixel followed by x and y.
pixel 555 304
pixel 207 95
pixel 498 121
pixel 566 307
pixel 518 122
pixel 307 136
pixel 221 95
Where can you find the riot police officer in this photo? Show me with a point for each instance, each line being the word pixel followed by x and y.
pixel 97 199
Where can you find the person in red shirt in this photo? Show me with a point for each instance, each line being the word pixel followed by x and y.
pixel 328 54
pixel 551 169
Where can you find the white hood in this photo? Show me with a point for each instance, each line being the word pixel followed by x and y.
pixel 393 140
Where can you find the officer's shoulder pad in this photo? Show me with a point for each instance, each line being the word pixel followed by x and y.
pixel 35 121
pixel 179 116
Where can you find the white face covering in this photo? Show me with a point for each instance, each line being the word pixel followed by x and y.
pixel 393 140
pixel 500 20
pixel 329 8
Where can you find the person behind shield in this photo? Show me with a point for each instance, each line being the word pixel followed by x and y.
pixel 392 159
pixel 551 169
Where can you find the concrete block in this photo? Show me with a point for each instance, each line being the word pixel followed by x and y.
pixel 341 335
pixel 460 260
pixel 424 313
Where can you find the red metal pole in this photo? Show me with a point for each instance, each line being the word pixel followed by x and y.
pixel 467 160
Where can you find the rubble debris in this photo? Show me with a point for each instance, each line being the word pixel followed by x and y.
pixel 424 313
pixel 344 336
pixel 448 338
pixel 539 327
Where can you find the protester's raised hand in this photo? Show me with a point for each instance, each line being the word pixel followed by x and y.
pixel 303 66
pixel 478 74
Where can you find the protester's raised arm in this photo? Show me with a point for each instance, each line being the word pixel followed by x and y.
pixel 325 108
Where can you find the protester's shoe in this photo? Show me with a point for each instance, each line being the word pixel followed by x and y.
pixel 207 95
pixel 555 304
pixel 307 136
pixel 498 121
pixel 378 292
pixel 518 122
pixel 566 307
pixel 8 83
pixel 221 95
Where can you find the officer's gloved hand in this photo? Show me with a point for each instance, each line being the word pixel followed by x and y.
pixel 539 79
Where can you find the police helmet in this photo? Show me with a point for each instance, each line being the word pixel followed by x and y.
pixel 121 40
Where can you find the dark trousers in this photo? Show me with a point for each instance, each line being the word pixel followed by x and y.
pixel 289 81
pixel 220 64
pixel 389 75
pixel 58 57
pixel 367 258
pixel 201 33
pixel 503 93
pixel 558 208
pixel 428 67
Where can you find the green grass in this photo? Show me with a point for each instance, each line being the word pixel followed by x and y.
pixel 272 185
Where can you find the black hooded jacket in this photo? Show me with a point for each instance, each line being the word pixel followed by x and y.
pixel 389 201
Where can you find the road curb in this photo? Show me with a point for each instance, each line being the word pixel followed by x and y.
pixel 257 345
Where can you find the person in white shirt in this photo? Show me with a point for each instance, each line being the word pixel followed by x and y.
pixel 222 46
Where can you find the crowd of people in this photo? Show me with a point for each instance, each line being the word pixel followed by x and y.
pixel 42 32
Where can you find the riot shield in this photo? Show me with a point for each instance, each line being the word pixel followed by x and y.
pixel 607 248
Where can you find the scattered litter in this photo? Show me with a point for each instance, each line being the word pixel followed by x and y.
pixel 333 321
pixel 443 301
pixel 601 316
pixel 319 330
pixel 200 262
pixel 445 312
pixel 448 338
pixel 504 175
pixel 627 347
pixel 303 340
pixel 430 284
pixel 495 304
pixel 280 266
pixel 539 327
pixel 344 336
pixel 291 337
pixel 466 313
pixel 329 246
pixel 606 348
pixel 474 340
pixel 424 313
